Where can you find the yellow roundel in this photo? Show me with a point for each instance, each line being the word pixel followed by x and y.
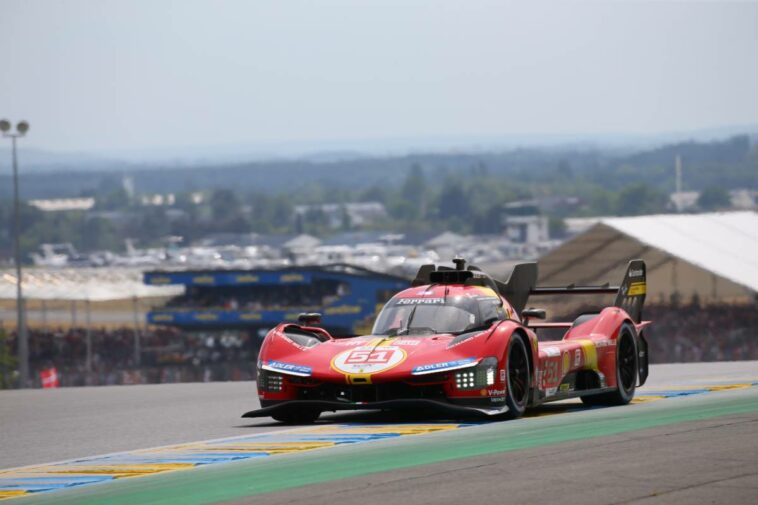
pixel 590 353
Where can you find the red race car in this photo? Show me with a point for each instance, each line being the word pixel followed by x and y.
pixel 459 342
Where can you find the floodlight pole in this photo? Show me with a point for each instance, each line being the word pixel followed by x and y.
pixel 23 337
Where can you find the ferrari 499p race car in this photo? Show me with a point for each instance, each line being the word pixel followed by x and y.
pixel 459 342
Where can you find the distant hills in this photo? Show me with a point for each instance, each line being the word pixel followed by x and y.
pixel 41 160
pixel 709 156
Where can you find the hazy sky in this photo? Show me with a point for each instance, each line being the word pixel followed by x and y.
pixel 101 75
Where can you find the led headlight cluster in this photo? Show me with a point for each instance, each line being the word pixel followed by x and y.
pixel 274 382
pixel 480 376
pixel 269 381
pixel 465 379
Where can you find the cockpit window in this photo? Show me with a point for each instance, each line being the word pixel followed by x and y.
pixel 431 316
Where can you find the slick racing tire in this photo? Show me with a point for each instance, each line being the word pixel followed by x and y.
pixel 517 378
pixel 626 371
pixel 297 416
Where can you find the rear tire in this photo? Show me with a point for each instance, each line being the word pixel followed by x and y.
pixel 517 378
pixel 297 416
pixel 626 371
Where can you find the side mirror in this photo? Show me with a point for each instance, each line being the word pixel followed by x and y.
pixel 309 318
pixel 534 313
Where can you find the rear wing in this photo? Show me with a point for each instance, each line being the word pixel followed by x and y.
pixel 522 284
pixel 630 295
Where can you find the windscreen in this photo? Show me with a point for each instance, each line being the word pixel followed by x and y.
pixel 432 316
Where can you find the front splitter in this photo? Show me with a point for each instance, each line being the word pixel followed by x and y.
pixel 415 405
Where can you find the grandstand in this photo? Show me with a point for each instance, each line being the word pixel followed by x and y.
pixel 256 300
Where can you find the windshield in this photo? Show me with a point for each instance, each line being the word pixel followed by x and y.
pixel 430 316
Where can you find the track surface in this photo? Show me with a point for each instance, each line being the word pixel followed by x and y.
pixel 716 454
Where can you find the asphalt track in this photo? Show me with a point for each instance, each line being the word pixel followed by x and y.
pixel 697 448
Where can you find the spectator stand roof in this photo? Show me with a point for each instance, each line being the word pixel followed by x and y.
pixel 93 284
pixel 713 256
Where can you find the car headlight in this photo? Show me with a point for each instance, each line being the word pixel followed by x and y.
pixel 270 381
pixel 480 376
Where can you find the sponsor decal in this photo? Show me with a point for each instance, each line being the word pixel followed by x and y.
pixel 637 289
pixel 343 309
pixel 496 392
pixel 566 363
pixel 291 278
pixel 350 342
pixel 160 280
pixel 550 391
pixel 420 301
pixel 467 339
pixel 636 273
pixel 206 317
pixel 203 279
pixel 577 358
pixel 445 365
pixel 552 352
pixel 405 342
pixel 368 360
pixel 247 278
pixel 502 376
pixel 497 399
pixel 565 387
pixel 280 366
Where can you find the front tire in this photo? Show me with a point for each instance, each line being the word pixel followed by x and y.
pixel 517 378
pixel 626 371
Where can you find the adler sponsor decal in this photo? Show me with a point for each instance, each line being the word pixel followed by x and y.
pixel 279 366
pixel 445 365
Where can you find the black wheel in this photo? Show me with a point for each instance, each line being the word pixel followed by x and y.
pixel 626 371
pixel 517 378
pixel 297 416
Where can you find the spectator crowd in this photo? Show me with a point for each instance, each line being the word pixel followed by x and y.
pixel 692 333
pixel 165 355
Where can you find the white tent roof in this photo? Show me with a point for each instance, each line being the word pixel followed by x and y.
pixel 723 243
pixel 94 284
